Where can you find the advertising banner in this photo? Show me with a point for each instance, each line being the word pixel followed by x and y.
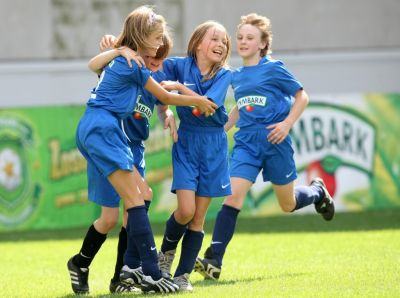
pixel 349 140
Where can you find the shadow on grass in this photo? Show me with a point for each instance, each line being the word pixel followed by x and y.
pixel 350 221
pixel 210 282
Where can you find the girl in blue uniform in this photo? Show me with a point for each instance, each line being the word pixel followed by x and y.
pixel 136 127
pixel 200 157
pixel 102 142
pixel 263 90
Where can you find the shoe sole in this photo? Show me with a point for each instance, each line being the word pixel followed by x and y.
pixel 199 268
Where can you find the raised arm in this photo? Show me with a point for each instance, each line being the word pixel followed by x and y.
pixel 205 106
pixel 97 63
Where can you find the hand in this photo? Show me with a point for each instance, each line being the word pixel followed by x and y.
pixel 107 42
pixel 170 122
pixel 279 132
pixel 171 85
pixel 130 55
pixel 206 106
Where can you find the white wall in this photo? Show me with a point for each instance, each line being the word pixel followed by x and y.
pixel 69 82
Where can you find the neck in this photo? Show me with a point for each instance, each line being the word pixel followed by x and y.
pixel 251 61
pixel 204 65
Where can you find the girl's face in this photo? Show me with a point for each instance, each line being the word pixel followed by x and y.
pixel 156 40
pixel 152 63
pixel 248 41
pixel 213 47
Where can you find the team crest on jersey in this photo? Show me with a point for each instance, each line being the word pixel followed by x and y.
pixel 251 100
pixel 18 194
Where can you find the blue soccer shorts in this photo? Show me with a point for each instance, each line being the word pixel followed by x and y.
pixel 253 152
pixel 102 142
pixel 200 161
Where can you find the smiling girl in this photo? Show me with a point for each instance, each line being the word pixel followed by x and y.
pixel 263 90
pixel 200 157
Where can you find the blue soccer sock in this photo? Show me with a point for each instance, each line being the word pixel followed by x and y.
pixel 223 231
pixel 140 234
pixel 173 233
pixel 134 252
pixel 191 245
pixel 307 195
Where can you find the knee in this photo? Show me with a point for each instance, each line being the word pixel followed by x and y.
pixel 287 207
pixel 108 223
pixel 148 194
pixel 184 215
pixel 196 224
pixel 234 201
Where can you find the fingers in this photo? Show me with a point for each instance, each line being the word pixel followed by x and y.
pixel 276 137
pixel 107 42
pixel 139 61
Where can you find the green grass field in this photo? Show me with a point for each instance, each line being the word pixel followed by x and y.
pixel 356 255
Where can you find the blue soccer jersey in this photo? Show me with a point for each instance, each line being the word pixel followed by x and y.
pixel 263 92
pixel 186 71
pixel 137 125
pixel 119 87
pixel 200 157
pixel 263 95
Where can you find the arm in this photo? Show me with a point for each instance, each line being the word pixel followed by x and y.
pixel 280 130
pixel 166 116
pixel 97 63
pixel 233 118
pixel 175 85
pixel 205 106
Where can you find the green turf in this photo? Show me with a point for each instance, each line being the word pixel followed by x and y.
pixel 356 255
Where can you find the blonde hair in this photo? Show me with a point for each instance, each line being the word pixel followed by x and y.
pixel 164 50
pixel 264 25
pixel 197 38
pixel 138 26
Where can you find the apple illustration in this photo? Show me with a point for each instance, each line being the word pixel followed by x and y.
pixel 249 108
pixel 137 116
pixel 315 169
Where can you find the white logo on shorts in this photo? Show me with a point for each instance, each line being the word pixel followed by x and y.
pixel 290 174
pixel 225 186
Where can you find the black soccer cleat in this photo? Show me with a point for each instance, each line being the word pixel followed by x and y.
pixel 326 207
pixel 208 267
pixel 132 277
pixel 163 285
pixel 79 278
pixel 120 287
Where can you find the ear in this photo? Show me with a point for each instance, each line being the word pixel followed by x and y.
pixel 263 44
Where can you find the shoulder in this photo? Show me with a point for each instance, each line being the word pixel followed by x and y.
pixel 121 63
pixel 224 72
pixel 272 63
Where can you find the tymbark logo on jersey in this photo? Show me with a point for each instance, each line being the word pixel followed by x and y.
pixel 251 100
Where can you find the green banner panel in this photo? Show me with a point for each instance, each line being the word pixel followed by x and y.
pixel 349 140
